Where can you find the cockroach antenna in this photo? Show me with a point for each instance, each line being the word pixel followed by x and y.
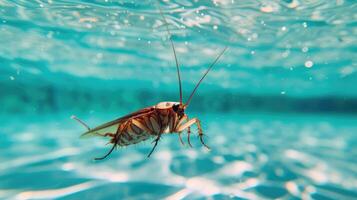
pixel 204 75
pixel 173 49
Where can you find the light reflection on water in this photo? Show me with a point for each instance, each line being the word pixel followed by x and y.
pixel 305 43
pixel 252 156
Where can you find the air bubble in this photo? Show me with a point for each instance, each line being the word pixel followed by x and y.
pixel 255 35
pixel 305 49
pixel 285 53
pixel 309 64
pixel 117 26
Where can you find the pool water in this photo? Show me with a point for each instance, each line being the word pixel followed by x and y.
pixel 279 109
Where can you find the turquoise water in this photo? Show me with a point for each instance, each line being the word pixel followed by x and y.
pixel 279 108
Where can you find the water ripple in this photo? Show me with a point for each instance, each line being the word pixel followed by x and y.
pixel 106 38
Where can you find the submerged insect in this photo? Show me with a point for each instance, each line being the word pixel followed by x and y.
pixel 154 121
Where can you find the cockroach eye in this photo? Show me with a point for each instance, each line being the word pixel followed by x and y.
pixel 175 107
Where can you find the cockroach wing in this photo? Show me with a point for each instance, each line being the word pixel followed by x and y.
pixel 112 126
pixel 101 130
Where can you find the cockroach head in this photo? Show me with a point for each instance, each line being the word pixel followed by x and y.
pixel 179 109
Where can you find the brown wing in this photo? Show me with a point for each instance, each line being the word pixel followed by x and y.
pixel 112 126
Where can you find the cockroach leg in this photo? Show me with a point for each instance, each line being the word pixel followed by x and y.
pixel 116 138
pixel 109 134
pixel 156 141
pixel 190 123
pixel 106 155
pixel 178 125
pixel 203 143
pixel 179 135
pixel 188 133
pixel 200 134
pixel 188 136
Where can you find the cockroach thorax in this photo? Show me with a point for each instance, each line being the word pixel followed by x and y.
pixel 166 104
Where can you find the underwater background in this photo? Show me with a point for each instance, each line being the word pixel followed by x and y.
pixel 279 109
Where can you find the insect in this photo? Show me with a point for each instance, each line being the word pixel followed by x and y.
pixel 153 121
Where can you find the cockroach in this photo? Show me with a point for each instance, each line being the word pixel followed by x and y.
pixel 154 121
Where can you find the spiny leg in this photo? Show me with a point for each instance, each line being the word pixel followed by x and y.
pixel 179 135
pixel 105 135
pixel 188 135
pixel 202 142
pixel 110 151
pixel 200 133
pixel 108 134
pixel 115 142
pixel 178 124
pixel 190 123
pixel 156 141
